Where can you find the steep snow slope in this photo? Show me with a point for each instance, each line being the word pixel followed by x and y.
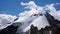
pixel 40 22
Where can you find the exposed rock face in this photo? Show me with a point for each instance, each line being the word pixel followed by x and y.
pixel 9 30
pixel 51 19
pixel 46 30
pixel 12 29
pixel 33 30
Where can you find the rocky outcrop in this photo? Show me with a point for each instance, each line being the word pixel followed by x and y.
pixel 51 19
pixel 12 29
pixel 33 30
pixel 46 30
pixel 9 30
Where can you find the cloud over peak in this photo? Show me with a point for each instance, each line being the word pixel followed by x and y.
pixel 33 15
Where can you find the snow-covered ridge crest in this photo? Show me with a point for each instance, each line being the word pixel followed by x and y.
pixel 6 20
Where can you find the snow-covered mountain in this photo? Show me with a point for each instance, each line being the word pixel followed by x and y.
pixel 36 16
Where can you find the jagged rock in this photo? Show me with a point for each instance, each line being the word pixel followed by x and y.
pixel 33 30
pixel 51 19
pixel 40 31
pixel 9 30
pixel 46 30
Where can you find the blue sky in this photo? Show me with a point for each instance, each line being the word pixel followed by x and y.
pixel 14 7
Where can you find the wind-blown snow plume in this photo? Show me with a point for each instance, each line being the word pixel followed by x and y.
pixel 34 16
pixel 6 20
pixel 57 3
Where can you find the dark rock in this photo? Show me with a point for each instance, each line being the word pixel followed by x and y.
pixel 12 29
pixel 33 30
pixel 46 30
pixel 16 19
pixel 51 19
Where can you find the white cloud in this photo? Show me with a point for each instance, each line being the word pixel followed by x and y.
pixel 6 20
pixel 34 10
pixel 57 3
pixel 59 11
pixel 31 4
